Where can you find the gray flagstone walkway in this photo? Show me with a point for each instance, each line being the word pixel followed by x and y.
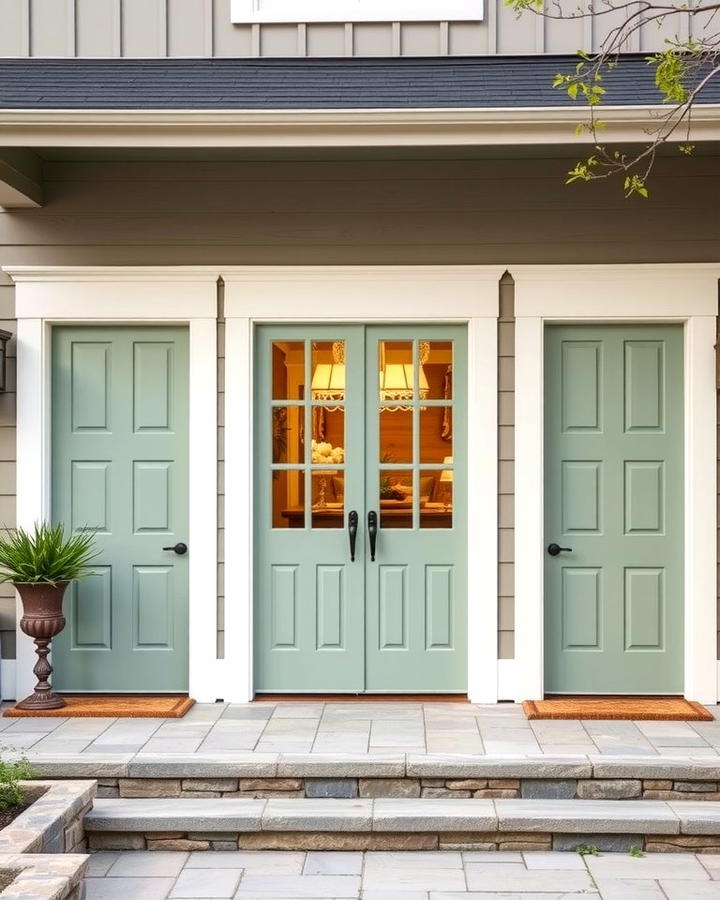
pixel 438 875
pixel 355 728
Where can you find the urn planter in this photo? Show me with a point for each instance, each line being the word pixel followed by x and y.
pixel 42 620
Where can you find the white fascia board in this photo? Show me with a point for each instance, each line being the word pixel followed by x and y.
pixel 244 12
pixel 334 128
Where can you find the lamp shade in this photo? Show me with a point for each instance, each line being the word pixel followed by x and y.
pixel 328 381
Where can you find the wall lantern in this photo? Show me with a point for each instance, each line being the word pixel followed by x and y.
pixel 4 338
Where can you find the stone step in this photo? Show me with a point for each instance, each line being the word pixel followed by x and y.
pixel 400 823
pixel 390 775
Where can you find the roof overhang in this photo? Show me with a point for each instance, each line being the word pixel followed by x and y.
pixel 34 129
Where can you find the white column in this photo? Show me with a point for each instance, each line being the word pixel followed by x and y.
pixel 482 504
pixel 238 507
pixel 529 525
pixel 700 511
pixel 33 476
pixel 202 538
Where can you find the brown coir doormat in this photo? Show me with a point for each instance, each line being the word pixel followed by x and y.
pixel 136 706
pixel 667 708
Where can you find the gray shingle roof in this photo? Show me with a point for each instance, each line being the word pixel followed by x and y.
pixel 237 84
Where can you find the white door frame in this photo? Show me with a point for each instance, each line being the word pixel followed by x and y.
pixel 46 296
pixel 325 294
pixel 686 294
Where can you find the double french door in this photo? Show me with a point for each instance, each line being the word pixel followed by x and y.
pixel 360 508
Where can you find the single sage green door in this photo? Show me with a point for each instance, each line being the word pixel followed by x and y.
pixel 360 442
pixel 120 467
pixel 614 509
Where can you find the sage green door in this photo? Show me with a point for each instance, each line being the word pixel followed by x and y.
pixel 614 498
pixel 120 467
pixel 353 420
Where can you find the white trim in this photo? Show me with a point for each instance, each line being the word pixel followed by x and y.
pixel 527 126
pixel 45 296
pixel 507 689
pixel 8 667
pixel 243 12
pixel 365 294
pixel 646 293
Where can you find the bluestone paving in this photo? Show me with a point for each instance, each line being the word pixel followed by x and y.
pixel 175 815
pixel 402 729
pixel 509 878
pixel 433 815
pixel 435 875
pixel 317 815
pixel 207 883
pixel 690 890
pixel 695 819
pixel 573 816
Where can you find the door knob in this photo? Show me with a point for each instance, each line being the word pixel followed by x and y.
pixel 352 532
pixel 179 548
pixel 555 549
pixel 372 532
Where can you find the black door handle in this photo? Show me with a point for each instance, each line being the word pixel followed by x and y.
pixel 555 549
pixel 352 531
pixel 372 532
pixel 179 548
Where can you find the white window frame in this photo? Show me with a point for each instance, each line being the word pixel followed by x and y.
pixel 302 11
pixel 684 294
pixel 121 296
pixel 366 294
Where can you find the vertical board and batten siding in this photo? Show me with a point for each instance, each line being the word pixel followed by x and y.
pixel 482 211
pixel 202 28
pixel 506 470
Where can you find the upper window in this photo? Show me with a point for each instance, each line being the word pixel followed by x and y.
pixel 245 11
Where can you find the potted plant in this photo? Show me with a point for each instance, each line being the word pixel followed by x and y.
pixel 40 565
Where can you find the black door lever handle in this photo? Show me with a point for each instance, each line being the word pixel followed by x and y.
pixel 372 532
pixel 352 531
pixel 179 548
pixel 556 549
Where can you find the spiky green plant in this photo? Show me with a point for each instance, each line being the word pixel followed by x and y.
pixel 46 555
pixel 11 773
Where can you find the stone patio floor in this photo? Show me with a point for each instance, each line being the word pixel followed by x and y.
pixel 361 728
pixel 401 876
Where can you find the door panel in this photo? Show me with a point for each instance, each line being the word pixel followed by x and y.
pixel 385 396
pixel 308 594
pixel 613 493
pixel 416 590
pixel 120 467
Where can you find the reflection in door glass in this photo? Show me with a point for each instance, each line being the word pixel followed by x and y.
pixel 288 498
pixel 288 440
pixel 436 497
pixel 328 470
pixel 328 371
pixel 396 435
pixel 437 366
pixel 396 373
pixel 435 433
pixel 288 370
pixel 396 498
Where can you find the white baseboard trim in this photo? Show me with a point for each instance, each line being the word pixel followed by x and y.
pixel 507 679
pixel 7 679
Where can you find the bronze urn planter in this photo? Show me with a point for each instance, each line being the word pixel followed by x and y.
pixel 40 564
pixel 42 620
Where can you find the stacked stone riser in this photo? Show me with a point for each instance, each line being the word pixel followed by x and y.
pixel 466 788
pixel 189 840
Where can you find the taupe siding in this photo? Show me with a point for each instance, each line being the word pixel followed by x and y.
pixel 485 211
pixel 506 469
pixel 156 28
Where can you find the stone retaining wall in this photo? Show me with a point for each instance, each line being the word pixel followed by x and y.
pixel 44 846
pixel 456 788
pixel 494 840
